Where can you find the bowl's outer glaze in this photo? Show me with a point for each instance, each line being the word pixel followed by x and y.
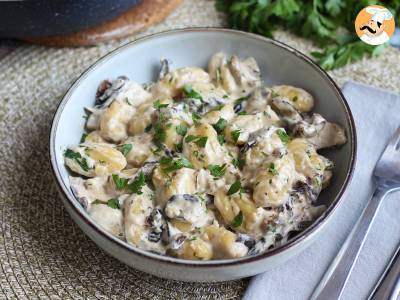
pixel 139 60
pixel 23 19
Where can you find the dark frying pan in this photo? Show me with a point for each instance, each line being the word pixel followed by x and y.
pixel 33 18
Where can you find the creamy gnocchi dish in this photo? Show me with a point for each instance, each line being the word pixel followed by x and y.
pixel 203 164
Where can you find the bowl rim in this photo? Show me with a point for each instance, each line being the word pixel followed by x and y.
pixel 306 234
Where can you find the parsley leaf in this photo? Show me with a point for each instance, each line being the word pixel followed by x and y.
pixel 216 170
pixel 235 135
pixel 168 164
pixel 196 118
pixel 181 130
pixel 272 169
pixel 83 138
pixel 113 203
pixel 189 92
pixel 234 188
pixel 125 149
pixel 159 134
pixel 221 139
pixel 200 141
pixel 81 161
pixel 157 105
pixel 220 125
pixel 238 163
pixel 323 22
pixel 238 220
pixel 137 184
pixel 120 183
pixel 178 147
pixel 283 136
pixel 148 127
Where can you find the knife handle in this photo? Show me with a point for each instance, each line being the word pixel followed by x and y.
pixel 388 286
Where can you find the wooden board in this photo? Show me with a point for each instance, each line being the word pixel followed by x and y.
pixel 147 13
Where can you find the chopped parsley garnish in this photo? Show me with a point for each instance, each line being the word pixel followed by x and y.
pixel 200 141
pixel 242 113
pixel 189 92
pixel 159 134
pixel 81 161
pixel 220 125
pixel 181 130
pixel 218 107
pixel 120 183
pixel 137 184
pixel 221 139
pixel 178 147
pixel 218 74
pixel 241 99
pixel 283 136
pixel 157 105
pixel 295 98
pixel 272 169
pixel 113 203
pixel 238 163
pixel 235 187
pixel 125 149
pixel 83 138
pixel 216 170
pixel 148 127
pixel 235 135
pixel 196 118
pixel 168 164
pixel 238 220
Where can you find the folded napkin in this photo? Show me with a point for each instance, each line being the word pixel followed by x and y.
pixel 377 116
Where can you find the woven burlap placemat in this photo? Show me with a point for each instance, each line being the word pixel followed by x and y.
pixel 43 254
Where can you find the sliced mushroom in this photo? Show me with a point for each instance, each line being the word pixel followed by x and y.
pixel 258 100
pixel 107 89
pixel 164 70
pixel 246 72
pixel 288 112
pixel 310 126
pixel 330 135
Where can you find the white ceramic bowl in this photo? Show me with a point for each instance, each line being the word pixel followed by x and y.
pixel 139 60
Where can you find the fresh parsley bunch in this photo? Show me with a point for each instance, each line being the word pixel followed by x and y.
pixel 330 24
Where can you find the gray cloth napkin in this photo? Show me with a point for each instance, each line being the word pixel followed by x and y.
pixel 377 116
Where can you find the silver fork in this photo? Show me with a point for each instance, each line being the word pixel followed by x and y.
pixel 387 177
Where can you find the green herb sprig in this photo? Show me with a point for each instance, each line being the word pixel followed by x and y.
pixel 329 24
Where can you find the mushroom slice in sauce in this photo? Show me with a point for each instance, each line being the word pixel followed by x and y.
pixel 330 135
pixel 290 115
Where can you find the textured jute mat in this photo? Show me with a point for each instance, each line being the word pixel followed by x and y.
pixel 43 254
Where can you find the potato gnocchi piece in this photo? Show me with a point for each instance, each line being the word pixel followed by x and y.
pixel 224 243
pixel 171 84
pixel 142 229
pixel 201 146
pixel 141 151
pixel 167 185
pixel 196 249
pixel 226 112
pixel 110 219
pixel 307 160
pixel 234 75
pixel 89 190
pixel 114 121
pixel 300 99
pixel 273 184
pixel 244 125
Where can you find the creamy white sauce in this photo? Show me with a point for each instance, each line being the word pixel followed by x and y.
pixel 203 165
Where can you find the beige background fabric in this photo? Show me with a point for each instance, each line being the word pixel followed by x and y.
pixel 43 254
